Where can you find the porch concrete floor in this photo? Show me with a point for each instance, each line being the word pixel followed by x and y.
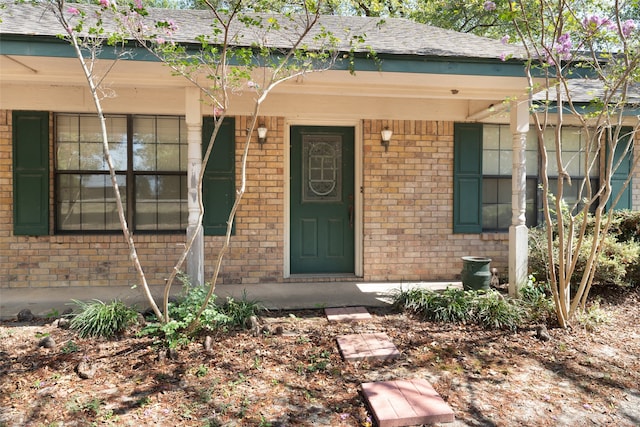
pixel 272 295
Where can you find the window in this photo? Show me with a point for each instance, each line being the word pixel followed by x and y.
pixel 575 156
pixel 149 154
pixel 489 148
pixel 497 157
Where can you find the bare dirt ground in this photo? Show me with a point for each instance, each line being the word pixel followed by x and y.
pixel 489 378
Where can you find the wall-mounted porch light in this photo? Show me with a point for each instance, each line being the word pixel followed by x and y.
pixel 386 134
pixel 262 134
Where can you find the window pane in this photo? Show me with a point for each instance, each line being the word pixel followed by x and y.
pixel 183 156
pixel 489 190
pixel 161 202
pixel 571 162
pixel 67 156
pixel 490 217
pixel 86 202
pixel 531 162
pixel 571 139
pixel 67 128
pixel 90 129
pixel 168 129
pixel 506 162
pixel 491 137
pixel 504 190
pixel 168 157
pixel 144 129
pixel 504 216
pixel 490 162
pixel 68 209
pixel 506 139
pixel 92 156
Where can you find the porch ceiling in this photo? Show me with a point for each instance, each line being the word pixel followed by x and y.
pixel 371 94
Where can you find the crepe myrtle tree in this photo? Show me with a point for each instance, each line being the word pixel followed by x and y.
pixel 223 64
pixel 569 45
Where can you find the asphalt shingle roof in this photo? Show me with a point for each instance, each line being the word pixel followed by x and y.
pixel 395 36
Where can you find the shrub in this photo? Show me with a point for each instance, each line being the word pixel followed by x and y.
pixel 487 308
pixel 537 301
pixel 617 263
pixel 97 319
pixel 452 305
pixel 494 311
pixel 233 313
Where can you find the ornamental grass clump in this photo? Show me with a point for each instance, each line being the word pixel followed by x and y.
pixel 97 319
pixel 486 308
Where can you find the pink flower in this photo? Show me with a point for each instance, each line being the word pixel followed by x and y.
pixel 489 6
pixel 628 27
pixel 160 40
pixel 505 39
pixel 73 11
pixel 104 3
pixel 594 23
pixel 138 4
pixel 503 56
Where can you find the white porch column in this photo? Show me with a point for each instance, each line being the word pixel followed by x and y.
pixel 518 233
pixel 193 118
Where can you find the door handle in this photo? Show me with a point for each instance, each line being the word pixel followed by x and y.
pixel 351 210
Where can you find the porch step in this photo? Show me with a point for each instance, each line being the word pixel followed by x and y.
pixel 375 346
pixel 346 314
pixel 405 403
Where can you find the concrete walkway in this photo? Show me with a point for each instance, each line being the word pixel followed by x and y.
pixel 42 301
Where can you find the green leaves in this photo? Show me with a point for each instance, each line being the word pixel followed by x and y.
pixel 97 319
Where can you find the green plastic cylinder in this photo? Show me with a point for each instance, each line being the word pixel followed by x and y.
pixel 476 274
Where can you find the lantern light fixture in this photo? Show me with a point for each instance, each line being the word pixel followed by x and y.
pixel 262 134
pixel 386 134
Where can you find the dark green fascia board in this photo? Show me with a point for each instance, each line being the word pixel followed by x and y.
pixel 631 110
pixel 20 45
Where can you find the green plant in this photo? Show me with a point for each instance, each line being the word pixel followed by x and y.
pixel 97 319
pixel 536 301
pixel 201 371
pixel 91 406
pixel 487 308
pixel 451 305
pixel 52 314
pixel 183 327
pixel 617 263
pixel 494 311
pixel 593 316
pixel 69 347
pixel 237 312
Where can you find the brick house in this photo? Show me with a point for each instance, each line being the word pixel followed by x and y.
pixel 366 212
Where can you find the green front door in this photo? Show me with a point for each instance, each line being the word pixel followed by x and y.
pixel 322 209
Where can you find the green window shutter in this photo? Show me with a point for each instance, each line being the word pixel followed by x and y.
pixel 30 173
pixel 622 173
pixel 218 188
pixel 467 178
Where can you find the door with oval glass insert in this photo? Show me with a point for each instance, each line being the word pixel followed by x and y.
pixel 322 209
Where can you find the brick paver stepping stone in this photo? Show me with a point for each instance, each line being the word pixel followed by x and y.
pixel 376 346
pixel 342 314
pixel 405 403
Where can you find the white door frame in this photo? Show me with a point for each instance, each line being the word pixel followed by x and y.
pixel 357 184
